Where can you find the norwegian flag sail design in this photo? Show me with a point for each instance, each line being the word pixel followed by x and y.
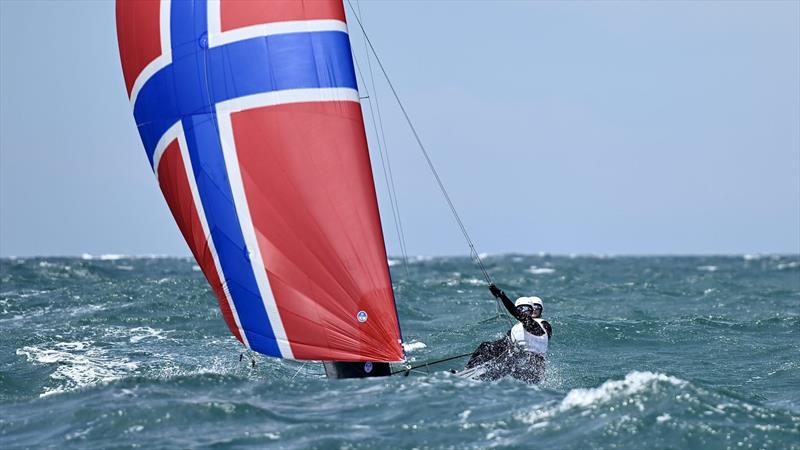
pixel 250 117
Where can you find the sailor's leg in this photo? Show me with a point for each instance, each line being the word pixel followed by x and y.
pixel 480 355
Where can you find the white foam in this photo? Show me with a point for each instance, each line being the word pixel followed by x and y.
pixel 25 293
pixel 106 257
pixel 78 364
pixel 633 383
pixel 708 268
pixel 411 346
pixel 469 281
pixel 135 429
pixel 392 262
pixel 541 270
pixel 589 398
pixel 141 333
pixel 751 257
pixel 85 309
pixel 789 265
pixel 111 257
pixel 115 257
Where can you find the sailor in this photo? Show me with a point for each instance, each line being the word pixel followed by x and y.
pixel 528 311
pixel 521 354
pixel 531 335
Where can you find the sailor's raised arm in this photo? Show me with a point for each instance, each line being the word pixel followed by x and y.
pixel 498 293
pixel 548 329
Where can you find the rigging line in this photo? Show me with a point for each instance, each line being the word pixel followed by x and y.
pixel 424 151
pixel 298 370
pixel 388 178
pixel 383 136
pixel 395 213
pixel 438 361
pixel 391 184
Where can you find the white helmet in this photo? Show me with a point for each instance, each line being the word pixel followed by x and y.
pixel 529 301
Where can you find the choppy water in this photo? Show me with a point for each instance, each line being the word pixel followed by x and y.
pixel 661 352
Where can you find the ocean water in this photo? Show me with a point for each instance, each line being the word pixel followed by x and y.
pixel 647 352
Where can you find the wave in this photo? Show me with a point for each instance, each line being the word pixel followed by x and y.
pixel 411 346
pixel 104 257
pixel 117 257
pixel 77 364
pixel 789 265
pixel 541 270
pixel 611 390
pixel 139 334
pixel 651 405
pixel 467 281
pixel 633 383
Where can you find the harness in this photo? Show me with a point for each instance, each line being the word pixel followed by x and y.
pixel 530 342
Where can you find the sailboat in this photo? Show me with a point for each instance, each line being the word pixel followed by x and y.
pixel 250 117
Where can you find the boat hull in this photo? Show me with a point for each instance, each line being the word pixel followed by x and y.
pixel 343 369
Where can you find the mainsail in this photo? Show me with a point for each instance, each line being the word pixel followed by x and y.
pixel 250 117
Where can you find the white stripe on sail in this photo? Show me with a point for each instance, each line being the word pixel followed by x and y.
pixel 287 96
pixel 217 37
pixel 176 132
pixel 249 233
pixel 163 60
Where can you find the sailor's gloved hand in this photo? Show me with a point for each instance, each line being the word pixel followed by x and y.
pixel 495 290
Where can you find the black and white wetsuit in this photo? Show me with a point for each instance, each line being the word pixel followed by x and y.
pixel 519 354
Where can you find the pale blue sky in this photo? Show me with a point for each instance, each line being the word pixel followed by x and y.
pixel 576 127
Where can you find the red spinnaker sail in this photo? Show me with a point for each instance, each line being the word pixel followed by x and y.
pixel 250 117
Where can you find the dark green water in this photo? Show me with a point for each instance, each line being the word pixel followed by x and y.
pixel 647 352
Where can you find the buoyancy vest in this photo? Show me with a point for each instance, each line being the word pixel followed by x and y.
pixel 530 342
